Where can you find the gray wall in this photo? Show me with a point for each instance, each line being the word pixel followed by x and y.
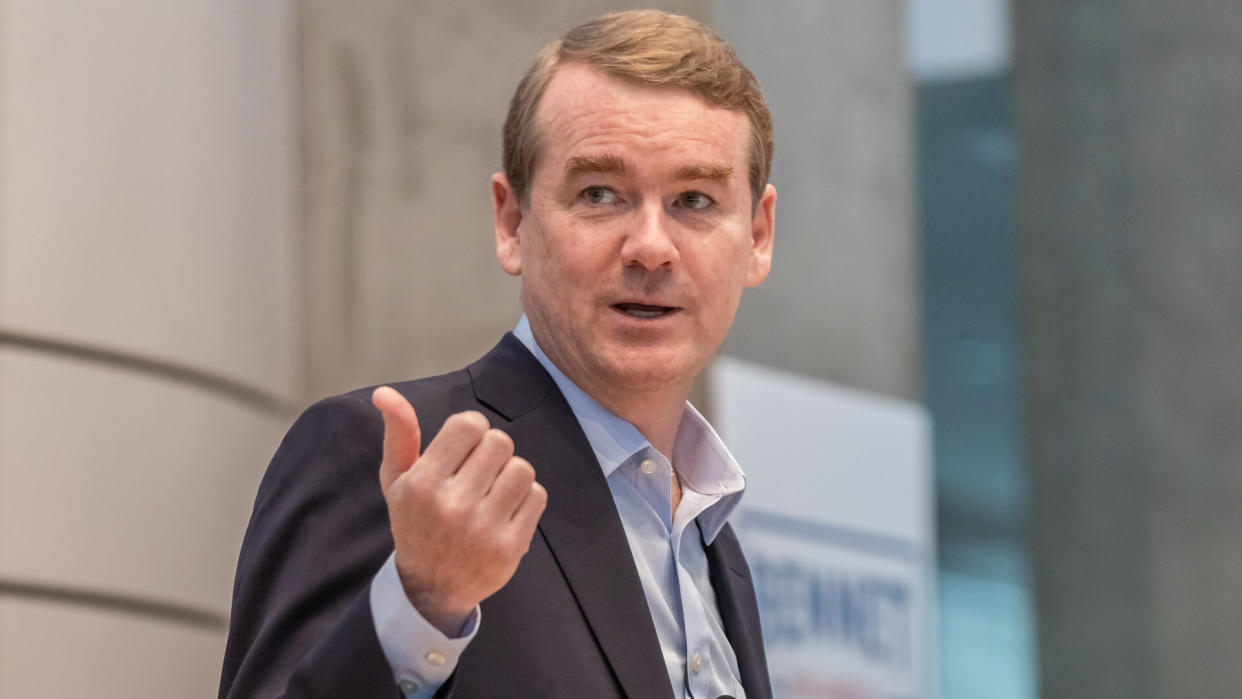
pixel 841 303
pixel 402 106
pixel 1131 255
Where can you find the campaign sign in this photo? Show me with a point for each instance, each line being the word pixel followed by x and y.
pixel 836 525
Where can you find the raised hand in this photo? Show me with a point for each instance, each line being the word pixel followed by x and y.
pixel 462 513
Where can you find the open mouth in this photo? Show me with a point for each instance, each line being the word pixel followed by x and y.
pixel 642 310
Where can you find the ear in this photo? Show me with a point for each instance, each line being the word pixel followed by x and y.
pixel 762 229
pixel 508 218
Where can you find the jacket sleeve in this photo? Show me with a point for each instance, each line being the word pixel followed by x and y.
pixel 301 623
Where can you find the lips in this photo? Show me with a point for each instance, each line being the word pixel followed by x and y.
pixel 643 310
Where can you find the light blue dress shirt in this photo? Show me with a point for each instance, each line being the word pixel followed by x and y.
pixel 668 550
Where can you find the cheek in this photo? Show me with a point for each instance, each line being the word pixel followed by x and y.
pixel 723 264
pixel 579 260
pixel 561 281
pixel 721 281
pixel 557 273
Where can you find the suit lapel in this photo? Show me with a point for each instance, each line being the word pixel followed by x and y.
pixel 581 524
pixel 735 596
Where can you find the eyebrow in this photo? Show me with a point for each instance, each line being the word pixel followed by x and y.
pixel 611 164
pixel 581 164
pixel 716 173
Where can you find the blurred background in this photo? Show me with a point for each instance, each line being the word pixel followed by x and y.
pixel 1023 216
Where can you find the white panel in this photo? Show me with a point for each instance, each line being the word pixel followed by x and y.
pixel 118 482
pixel 54 651
pixel 143 177
pixel 860 459
pixel 837 525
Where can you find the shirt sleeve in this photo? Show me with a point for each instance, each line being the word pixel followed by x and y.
pixel 421 656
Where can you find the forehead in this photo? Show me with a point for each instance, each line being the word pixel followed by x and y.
pixel 586 112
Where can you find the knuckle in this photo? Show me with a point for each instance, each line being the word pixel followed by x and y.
pixel 406 491
pixel 451 508
pixel 404 488
pixel 471 421
pixel 508 540
pixel 539 494
pixel 396 497
pixel 499 440
pixel 502 545
pixel 521 541
pixel 520 469
pixel 485 542
pixel 418 482
pixel 475 530
pixel 469 424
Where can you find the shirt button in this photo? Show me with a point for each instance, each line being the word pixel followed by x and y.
pixel 435 657
pixel 407 687
pixel 696 663
pixel 648 466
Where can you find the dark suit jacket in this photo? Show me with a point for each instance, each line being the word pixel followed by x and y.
pixel 573 622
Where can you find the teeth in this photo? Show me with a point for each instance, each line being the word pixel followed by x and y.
pixel 640 310
pixel 633 312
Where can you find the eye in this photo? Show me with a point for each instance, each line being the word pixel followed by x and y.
pixel 694 200
pixel 598 196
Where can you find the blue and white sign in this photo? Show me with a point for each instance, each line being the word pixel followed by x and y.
pixel 837 528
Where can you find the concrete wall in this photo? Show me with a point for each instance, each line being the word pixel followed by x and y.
pixel 402 107
pixel 1132 263
pixel 841 302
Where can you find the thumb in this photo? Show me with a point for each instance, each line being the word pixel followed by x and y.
pixel 402 438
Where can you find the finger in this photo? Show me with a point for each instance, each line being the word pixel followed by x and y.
pixel 454 442
pixel 402 437
pixel 510 487
pixel 526 518
pixel 487 459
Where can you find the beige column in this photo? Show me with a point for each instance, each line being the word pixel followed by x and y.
pixel 148 337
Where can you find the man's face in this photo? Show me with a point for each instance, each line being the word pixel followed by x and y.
pixel 639 232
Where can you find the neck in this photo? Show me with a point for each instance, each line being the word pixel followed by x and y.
pixel 656 415
pixel 654 408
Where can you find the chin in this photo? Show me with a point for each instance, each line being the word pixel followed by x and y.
pixel 652 369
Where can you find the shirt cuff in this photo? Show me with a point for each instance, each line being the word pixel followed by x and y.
pixel 421 656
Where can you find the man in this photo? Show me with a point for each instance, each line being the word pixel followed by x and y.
pixel 635 207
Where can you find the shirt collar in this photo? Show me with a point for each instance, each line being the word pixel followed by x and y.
pixel 703 462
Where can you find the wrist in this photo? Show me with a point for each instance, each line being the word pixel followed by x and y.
pixel 448 617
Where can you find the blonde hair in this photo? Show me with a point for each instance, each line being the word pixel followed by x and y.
pixel 650 47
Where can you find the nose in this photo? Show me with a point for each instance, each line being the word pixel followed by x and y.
pixel 648 244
